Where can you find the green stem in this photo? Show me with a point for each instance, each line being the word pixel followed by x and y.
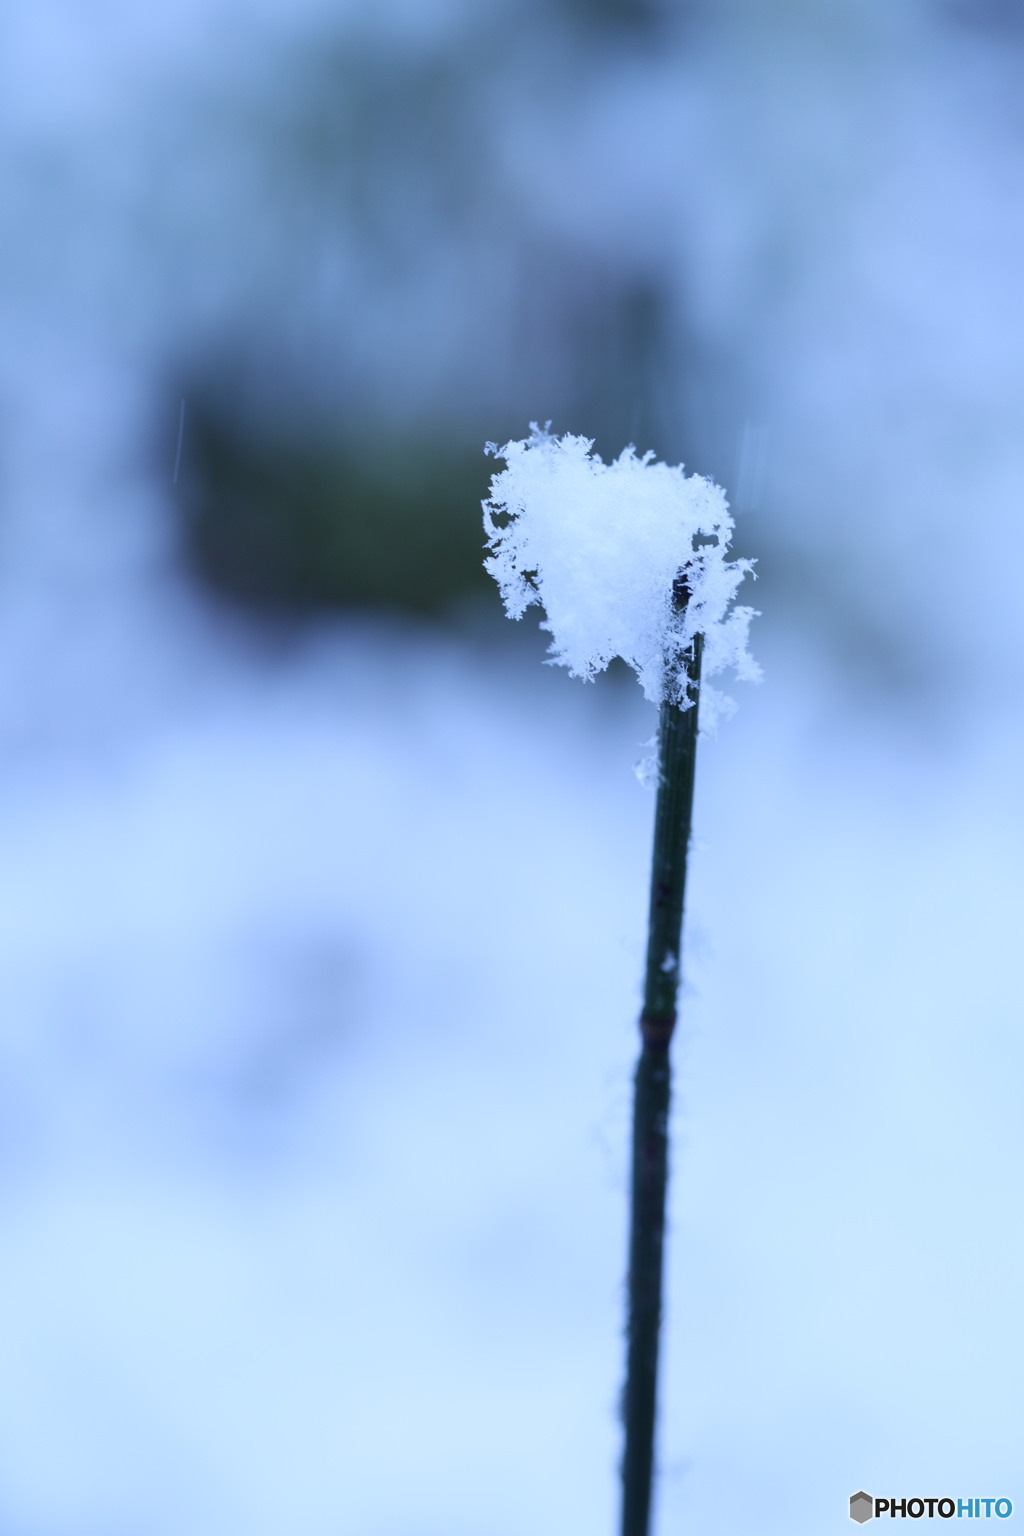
pixel 677 744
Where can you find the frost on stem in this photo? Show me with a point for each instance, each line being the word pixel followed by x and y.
pixel 599 547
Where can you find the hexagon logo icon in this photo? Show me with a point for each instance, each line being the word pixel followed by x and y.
pixel 862 1507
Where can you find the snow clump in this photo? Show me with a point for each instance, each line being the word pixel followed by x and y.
pixel 598 547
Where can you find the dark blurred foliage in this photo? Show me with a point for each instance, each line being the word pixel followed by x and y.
pixel 285 511
pixel 319 469
pixel 1002 17
pixel 281 515
pixel 293 522
pixel 638 16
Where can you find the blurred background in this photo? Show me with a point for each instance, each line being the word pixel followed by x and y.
pixel 323 901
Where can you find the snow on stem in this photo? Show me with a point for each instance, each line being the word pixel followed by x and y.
pixel 629 559
pixel 598 547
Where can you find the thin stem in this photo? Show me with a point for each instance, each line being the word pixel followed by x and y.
pixel 677 743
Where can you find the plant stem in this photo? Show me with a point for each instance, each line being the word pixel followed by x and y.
pixel 677 744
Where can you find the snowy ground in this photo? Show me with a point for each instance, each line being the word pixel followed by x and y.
pixel 318 1001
